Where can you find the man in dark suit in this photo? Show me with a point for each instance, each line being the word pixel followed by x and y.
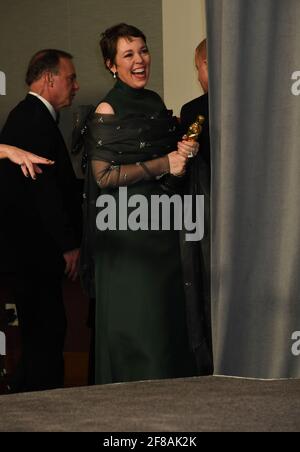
pixel 196 255
pixel 42 220
pixel 199 106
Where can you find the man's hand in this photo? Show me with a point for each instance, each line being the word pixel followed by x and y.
pixel 72 264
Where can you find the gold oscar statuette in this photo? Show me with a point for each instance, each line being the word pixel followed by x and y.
pixel 194 130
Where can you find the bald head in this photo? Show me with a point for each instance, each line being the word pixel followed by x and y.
pixel 201 65
pixel 201 49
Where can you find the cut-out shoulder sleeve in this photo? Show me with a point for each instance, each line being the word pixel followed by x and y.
pixel 105 109
pixel 113 176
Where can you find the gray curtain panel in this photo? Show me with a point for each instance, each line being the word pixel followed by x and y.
pixel 254 56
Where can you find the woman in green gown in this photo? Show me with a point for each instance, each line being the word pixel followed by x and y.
pixel 132 142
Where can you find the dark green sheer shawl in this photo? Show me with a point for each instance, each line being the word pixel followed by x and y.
pixel 131 139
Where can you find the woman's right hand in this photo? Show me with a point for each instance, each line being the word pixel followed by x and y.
pixel 28 162
pixel 177 164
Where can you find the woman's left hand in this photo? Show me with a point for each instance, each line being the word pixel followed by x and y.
pixel 188 149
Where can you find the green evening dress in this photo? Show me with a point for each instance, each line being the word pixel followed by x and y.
pixel 141 331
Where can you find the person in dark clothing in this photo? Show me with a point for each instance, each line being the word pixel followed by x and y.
pixel 42 220
pixel 199 106
pixel 196 255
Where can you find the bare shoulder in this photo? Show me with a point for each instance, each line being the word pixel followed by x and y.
pixel 105 109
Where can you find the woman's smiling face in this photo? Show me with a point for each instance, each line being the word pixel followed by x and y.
pixel 132 62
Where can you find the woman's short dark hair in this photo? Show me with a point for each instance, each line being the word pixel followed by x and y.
pixel 109 40
pixel 46 60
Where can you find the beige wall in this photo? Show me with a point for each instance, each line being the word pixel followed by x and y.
pixel 184 26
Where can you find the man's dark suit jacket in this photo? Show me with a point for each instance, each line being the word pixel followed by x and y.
pixel 196 255
pixel 42 218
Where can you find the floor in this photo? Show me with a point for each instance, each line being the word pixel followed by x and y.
pixel 207 404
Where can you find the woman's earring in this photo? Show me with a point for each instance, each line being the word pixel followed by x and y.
pixel 115 75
